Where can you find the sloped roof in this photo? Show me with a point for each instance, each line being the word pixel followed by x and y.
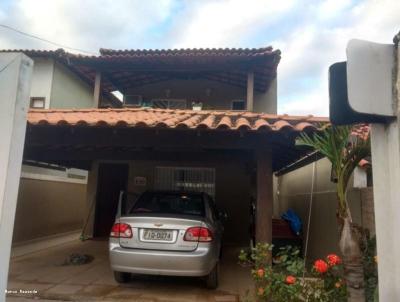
pixel 168 118
pixel 130 68
pixel 237 52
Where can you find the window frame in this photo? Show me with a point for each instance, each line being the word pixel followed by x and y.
pixel 169 101
pixel 36 98
pixel 238 101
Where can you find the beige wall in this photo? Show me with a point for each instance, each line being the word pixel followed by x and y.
pixel 68 91
pixel 47 208
pixel 267 101
pixel 293 191
pixel 232 191
pixel 220 98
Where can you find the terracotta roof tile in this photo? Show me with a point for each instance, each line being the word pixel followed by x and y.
pixel 166 118
pixel 242 52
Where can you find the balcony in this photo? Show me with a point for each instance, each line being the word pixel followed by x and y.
pixel 219 79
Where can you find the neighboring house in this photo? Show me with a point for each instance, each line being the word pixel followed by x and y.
pixel 54 191
pixel 193 119
pixel 56 84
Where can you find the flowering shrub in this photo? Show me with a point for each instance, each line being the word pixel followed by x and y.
pixel 320 266
pixel 333 260
pixel 287 278
pixel 290 280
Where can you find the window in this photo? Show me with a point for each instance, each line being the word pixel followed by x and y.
pixel 37 102
pixel 170 203
pixel 186 179
pixel 169 103
pixel 133 100
pixel 238 105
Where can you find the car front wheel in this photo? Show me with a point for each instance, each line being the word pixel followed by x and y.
pixel 122 277
pixel 212 278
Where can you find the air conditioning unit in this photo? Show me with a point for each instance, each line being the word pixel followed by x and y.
pixel 133 100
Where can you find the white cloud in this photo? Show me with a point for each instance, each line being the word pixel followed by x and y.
pixel 226 23
pixel 312 48
pixel 89 24
pixel 332 8
pixel 313 102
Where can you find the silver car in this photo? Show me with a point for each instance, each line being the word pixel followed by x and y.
pixel 168 233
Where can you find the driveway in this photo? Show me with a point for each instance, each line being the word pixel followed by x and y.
pixel 42 275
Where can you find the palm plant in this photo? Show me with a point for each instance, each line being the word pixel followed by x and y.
pixel 344 147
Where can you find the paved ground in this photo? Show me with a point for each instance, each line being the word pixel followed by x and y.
pixel 43 276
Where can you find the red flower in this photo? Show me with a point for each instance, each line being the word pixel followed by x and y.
pixel 260 273
pixel 333 260
pixel 321 266
pixel 290 280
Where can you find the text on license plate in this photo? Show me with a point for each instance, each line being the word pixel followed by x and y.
pixel 149 234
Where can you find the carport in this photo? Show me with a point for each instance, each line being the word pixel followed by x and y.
pixel 231 155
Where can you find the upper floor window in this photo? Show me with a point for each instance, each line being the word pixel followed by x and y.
pixel 238 105
pixel 37 102
pixel 133 100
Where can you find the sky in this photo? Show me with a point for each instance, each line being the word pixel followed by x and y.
pixel 311 35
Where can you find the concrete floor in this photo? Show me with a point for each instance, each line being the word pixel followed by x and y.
pixel 43 274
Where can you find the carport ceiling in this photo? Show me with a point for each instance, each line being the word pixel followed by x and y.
pixel 75 138
pixel 127 69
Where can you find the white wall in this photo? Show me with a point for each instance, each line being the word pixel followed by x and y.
pixel 60 87
pixel 15 80
pixel 68 175
pixel 42 79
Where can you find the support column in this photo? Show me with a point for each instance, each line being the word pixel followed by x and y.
pixel 91 196
pixel 15 82
pixel 250 91
pixel 385 147
pixel 97 90
pixel 264 203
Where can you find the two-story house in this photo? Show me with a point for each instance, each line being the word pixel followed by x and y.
pixel 192 119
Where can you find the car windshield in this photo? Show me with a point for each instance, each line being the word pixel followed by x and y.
pixel 170 203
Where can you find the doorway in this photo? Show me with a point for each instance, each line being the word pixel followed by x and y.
pixel 112 178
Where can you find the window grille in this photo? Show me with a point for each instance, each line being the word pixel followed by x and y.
pixel 169 103
pixel 185 179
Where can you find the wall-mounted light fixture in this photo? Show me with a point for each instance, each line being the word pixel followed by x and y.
pixel 167 92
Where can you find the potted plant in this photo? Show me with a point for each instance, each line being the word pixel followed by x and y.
pixel 197 106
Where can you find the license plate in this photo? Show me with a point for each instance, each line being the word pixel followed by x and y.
pixel 158 235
